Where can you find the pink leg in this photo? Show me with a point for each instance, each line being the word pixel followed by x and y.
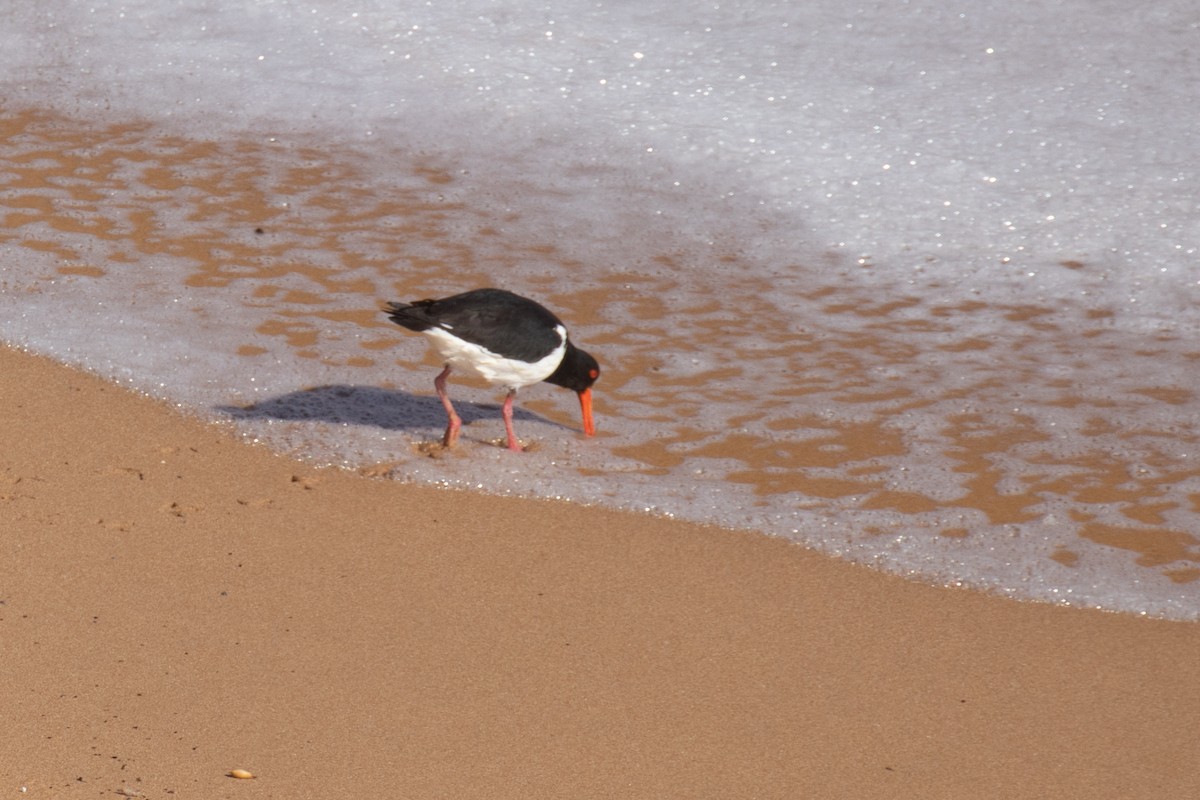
pixel 513 444
pixel 455 423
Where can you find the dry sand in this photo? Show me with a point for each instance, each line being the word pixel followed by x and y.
pixel 175 604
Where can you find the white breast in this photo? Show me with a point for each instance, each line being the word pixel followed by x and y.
pixel 510 373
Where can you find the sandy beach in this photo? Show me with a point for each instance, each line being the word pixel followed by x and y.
pixel 176 604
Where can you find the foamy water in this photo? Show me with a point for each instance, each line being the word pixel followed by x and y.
pixel 913 284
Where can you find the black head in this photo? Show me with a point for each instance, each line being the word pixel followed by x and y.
pixel 577 371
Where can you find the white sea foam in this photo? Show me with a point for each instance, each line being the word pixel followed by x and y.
pixel 939 168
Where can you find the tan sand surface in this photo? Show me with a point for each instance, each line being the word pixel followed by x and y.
pixel 175 604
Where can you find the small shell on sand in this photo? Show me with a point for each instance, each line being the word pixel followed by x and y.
pixel 241 773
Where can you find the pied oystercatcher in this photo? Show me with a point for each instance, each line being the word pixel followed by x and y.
pixel 507 340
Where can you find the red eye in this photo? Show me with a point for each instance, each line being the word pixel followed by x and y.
pixel 593 373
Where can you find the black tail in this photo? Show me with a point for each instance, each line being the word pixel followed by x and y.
pixel 410 315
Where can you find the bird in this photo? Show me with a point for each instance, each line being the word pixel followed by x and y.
pixel 507 340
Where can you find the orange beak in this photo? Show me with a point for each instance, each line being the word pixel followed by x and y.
pixel 585 405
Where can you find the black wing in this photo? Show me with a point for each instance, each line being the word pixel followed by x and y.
pixel 505 323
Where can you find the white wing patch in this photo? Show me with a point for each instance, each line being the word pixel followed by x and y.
pixel 510 373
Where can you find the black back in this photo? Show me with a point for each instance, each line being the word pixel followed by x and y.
pixel 505 323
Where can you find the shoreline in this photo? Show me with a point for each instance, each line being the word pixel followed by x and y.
pixel 234 312
pixel 176 604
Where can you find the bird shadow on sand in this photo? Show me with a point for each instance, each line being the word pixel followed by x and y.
pixel 388 409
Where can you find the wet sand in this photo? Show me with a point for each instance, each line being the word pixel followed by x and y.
pixel 246 275
pixel 176 604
